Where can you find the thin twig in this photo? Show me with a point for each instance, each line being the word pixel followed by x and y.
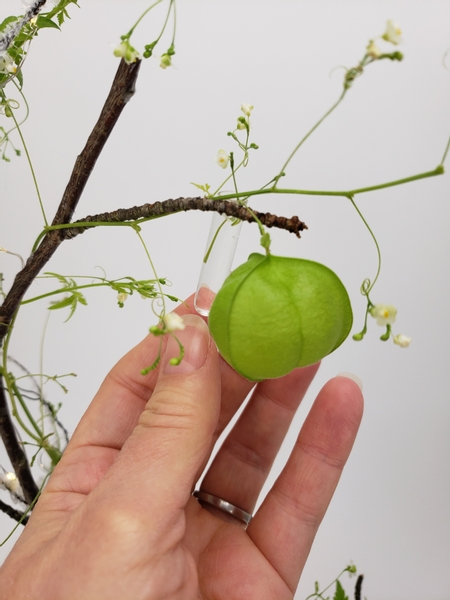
pixel 358 587
pixel 13 513
pixel 167 207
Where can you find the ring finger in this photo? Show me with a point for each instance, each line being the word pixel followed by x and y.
pixel 240 468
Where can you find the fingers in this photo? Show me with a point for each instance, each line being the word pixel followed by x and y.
pixel 242 464
pixel 173 434
pixel 117 406
pixel 286 523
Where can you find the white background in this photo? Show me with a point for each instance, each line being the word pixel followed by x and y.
pixel 390 514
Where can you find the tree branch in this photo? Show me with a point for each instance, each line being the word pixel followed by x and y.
pixel 13 513
pixel 122 90
pixel 160 209
pixel 15 450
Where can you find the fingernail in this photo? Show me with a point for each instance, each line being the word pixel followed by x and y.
pixel 353 377
pixel 195 339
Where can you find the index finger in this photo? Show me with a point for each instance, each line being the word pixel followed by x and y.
pixel 117 406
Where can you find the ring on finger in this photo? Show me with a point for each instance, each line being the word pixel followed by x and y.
pixel 224 506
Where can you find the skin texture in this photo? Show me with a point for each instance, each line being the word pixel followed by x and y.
pixel 117 519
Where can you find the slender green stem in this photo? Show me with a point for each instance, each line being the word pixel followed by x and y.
pixel 9 381
pixel 30 164
pixel 63 291
pixel 446 151
pixel 320 594
pixel 30 417
pixel 158 283
pixel 27 111
pixel 47 377
pixel 205 259
pixel 226 180
pixel 374 239
pixel 14 392
pixel 29 509
pixel 303 140
pixel 41 380
pixel 174 21
pixel 130 33
pixel 166 21
pixel 345 194
pixel 437 171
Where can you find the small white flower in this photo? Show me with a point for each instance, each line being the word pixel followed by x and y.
pixel 393 33
pixel 172 321
pixel 247 109
pixel 373 50
pixel 402 340
pixel 240 125
pixel 11 483
pixel 166 61
pixel 385 314
pixel 121 297
pixel 7 64
pixel 222 159
pixel 126 51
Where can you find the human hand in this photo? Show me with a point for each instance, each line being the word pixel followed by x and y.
pixel 117 519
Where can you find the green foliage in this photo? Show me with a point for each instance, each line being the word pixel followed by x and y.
pixel 123 287
pixel 44 22
pixel 204 187
pixel 60 11
pixel 339 594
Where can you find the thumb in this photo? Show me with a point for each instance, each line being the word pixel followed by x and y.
pixel 170 443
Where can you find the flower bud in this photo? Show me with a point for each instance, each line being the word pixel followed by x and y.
pixel 393 33
pixel 166 61
pixel 247 109
pixel 402 340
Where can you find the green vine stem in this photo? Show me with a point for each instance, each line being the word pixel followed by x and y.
pixel 30 163
pixel 146 11
pixel 303 140
pixel 375 242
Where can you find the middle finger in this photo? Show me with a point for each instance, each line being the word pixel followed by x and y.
pixel 242 464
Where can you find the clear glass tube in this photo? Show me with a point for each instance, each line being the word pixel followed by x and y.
pixel 218 258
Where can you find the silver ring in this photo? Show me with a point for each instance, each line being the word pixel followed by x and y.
pixel 224 506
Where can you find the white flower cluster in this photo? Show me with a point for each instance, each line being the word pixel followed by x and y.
pixel 392 34
pixel 385 314
pixel 243 123
pixel 126 51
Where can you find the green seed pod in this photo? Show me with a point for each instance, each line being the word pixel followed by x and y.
pixel 274 314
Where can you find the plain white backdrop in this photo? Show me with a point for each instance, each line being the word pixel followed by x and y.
pixel 390 514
